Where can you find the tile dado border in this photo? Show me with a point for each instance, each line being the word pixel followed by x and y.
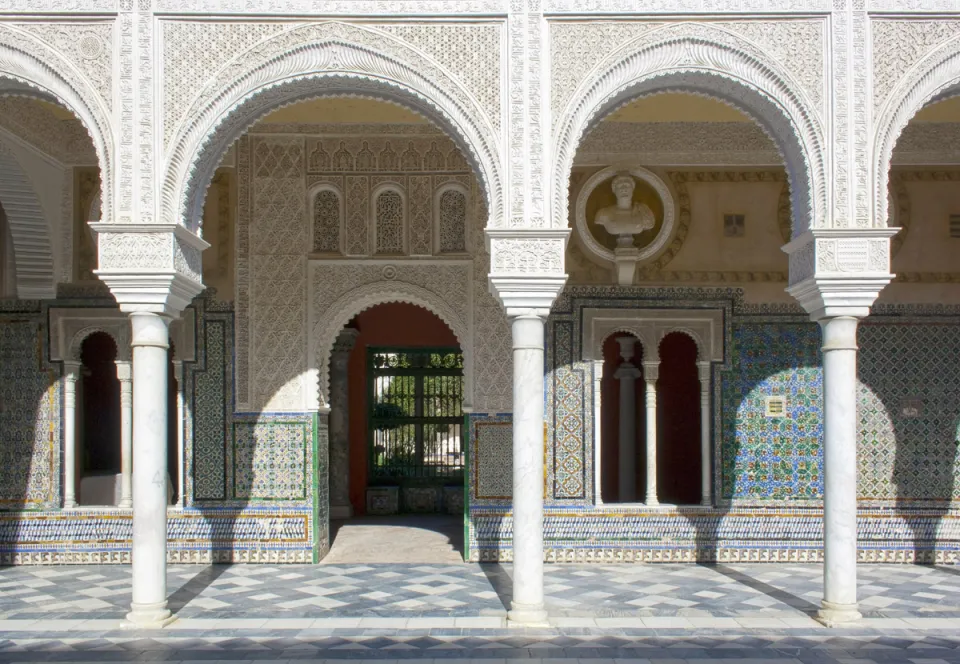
pixel 253 535
pixel 697 534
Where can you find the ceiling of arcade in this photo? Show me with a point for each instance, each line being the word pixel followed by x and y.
pixel 727 186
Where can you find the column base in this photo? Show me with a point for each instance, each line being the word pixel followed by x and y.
pixel 149 616
pixel 527 615
pixel 651 502
pixel 706 502
pixel 836 615
pixel 340 512
pixel 125 504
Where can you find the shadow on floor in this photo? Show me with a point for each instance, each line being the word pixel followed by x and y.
pixel 500 581
pixel 194 587
pixel 402 538
pixel 760 586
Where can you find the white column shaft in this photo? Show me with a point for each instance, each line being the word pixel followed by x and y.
pixel 124 373
pixel 181 406
pixel 840 468
pixel 651 443
pixel 71 371
pixel 150 343
pixel 527 605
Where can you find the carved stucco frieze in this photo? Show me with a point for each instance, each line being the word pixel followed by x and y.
pixel 718 63
pixel 674 7
pixel 149 247
pixel 525 255
pixel 378 8
pixel 287 67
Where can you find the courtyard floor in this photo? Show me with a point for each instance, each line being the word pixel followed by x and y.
pixel 434 612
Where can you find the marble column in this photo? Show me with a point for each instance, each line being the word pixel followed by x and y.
pixel 706 497
pixel 71 371
pixel 181 473
pixel 651 371
pixel 528 442
pixel 149 343
pixel 340 506
pixel 627 374
pixel 839 469
pixel 125 375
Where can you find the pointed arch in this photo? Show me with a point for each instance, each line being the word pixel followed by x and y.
pixel 935 78
pixel 713 62
pixel 307 62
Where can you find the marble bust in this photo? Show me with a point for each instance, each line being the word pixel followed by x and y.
pixel 626 218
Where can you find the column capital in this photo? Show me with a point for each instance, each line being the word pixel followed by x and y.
pixel 152 268
pixel 651 370
pixel 839 271
pixel 124 371
pixel 526 268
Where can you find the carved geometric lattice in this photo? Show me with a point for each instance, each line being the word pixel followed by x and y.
pixel 326 222
pixel 453 219
pixel 389 223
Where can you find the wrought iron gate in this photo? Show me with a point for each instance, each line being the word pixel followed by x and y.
pixel 415 417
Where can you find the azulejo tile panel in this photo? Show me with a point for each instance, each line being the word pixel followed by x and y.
pixel 909 410
pixel 762 456
pixel 30 416
pixel 270 459
pixel 491 455
pixel 211 380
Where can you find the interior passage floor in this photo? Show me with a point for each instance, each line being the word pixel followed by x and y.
pixel 408 538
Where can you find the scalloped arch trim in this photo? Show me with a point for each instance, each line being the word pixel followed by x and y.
pixel 319 61
pixel 371 295
pixel 704 60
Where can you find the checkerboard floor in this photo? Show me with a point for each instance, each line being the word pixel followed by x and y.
pixel 463 590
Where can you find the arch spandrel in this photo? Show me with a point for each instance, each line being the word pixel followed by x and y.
pixel 321 60
pixel 935 78
pixel 30 68
pixel 710 61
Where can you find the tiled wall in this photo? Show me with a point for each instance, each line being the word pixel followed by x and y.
pixel 250 478
pixel 768 471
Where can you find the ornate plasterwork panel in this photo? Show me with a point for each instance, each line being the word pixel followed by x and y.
pixel 677 143
pixel 87 45
pixel 339 290
pixel 674 7
pixel 306 61
pixel 707 60
pixel 69 328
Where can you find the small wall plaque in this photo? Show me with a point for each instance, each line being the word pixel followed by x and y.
pixel 734 225
pixel 775 406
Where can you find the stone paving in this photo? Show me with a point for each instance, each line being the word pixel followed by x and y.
pixel 437 613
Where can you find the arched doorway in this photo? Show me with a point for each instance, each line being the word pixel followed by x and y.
pixel 400 368
pixel 678 426
pixel 99 458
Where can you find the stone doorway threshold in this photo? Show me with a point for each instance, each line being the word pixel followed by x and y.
pixel 403 538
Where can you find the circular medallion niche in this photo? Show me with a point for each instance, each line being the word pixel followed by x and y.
pixel 612 215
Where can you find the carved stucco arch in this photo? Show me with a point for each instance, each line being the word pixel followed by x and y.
pixel 30 230
pixel 358 300
pixel 713 62
pixel 691 334
pixel 30 68
pixel 117 332
pixel 308 62
pixel 935 78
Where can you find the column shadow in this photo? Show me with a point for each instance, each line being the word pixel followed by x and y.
pixel 501 582
pixel 195 587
